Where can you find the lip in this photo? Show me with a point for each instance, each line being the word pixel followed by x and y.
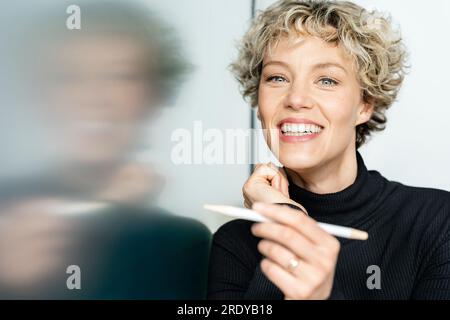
pixel 294 139
pixel 298 120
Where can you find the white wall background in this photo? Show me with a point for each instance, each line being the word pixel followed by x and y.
pixel 413 149
pixel 209 30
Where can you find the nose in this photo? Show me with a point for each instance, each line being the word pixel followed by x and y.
pixel 298 96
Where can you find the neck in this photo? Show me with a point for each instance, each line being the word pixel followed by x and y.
pixel 330 177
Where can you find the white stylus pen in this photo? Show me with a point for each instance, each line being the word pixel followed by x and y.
pixel 252 215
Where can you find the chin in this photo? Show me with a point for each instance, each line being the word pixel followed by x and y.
pixel 298 161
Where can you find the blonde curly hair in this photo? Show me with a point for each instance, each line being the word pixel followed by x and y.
pixel 367 36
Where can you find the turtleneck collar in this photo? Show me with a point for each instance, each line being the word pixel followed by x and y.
pixel 345 206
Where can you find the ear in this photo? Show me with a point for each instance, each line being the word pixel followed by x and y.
pixel 258 115
pixel 364 112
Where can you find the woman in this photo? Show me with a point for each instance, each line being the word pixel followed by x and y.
pixel 322 75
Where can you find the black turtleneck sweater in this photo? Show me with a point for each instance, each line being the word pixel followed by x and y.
pixel 409 240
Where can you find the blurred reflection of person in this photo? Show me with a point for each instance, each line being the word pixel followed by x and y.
pixel 90 203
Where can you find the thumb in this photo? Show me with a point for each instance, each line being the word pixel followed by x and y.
pixel 281 178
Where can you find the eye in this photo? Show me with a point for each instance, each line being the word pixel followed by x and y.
pixel 328 82
pixel 276 79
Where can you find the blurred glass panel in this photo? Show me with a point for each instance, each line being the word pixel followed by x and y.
pixel 76 107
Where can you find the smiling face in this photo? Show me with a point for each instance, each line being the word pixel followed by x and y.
pixel 310 81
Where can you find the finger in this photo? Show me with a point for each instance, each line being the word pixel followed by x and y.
pixel 285 281
pixel 264 171
pixel 273 166
pixel 276 182
pixel 285 187
pixel 285 184
pixel 302 223
pixel 305 272
pixel 283 173
pixel 290 239
pixel 282 183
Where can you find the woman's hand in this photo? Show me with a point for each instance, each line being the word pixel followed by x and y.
pixel 300 257
pixel 268 184
pixel 33 241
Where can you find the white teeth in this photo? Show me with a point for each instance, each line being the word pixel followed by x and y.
pixel 302 127
pixel 299 129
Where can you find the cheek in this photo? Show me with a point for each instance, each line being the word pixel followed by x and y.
pixel 129 103
pixel 268 104
pixel 341 111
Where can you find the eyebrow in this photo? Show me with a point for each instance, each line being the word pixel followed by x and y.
pixel 275 62
pixel 329 65
pixel 322 65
